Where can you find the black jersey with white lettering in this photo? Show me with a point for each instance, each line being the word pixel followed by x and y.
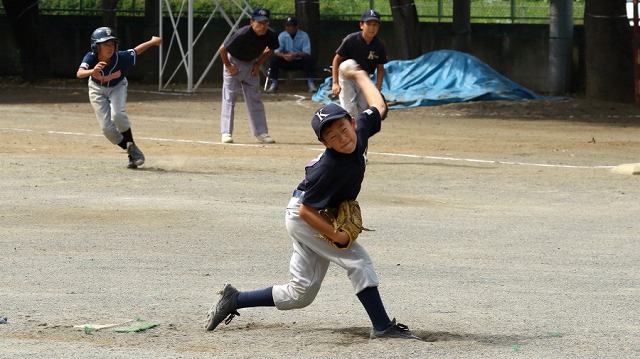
pixel 368 56
pixel 334 177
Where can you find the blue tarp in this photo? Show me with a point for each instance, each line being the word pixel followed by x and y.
pixel 441 77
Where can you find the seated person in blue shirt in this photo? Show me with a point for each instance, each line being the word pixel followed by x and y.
pixel 294 53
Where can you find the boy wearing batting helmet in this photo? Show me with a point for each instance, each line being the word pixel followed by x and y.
pixel 333 177
pixel 369 52
pixel 106 68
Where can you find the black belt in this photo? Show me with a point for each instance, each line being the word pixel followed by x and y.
pixel 297 193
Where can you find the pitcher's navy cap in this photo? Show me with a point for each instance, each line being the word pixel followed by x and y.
pixel 325 115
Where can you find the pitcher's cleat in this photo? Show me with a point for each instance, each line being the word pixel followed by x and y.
pixel 224 309
pixel 394 330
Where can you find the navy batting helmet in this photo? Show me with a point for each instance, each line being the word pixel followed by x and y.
pixel 100 35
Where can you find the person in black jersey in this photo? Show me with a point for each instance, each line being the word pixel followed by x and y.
pixel 369 52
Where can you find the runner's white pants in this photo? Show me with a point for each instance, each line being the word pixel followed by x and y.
pixel 108 104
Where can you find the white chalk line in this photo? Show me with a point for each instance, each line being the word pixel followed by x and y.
pixel 390 154
pixel 491 161
pixel 156 92
pixel 299 102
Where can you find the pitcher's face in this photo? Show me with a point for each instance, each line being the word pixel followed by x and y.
pixel 340 135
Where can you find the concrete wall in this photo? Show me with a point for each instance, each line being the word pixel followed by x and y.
pixel 519 52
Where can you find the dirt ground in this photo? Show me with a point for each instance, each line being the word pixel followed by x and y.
pixel 501 230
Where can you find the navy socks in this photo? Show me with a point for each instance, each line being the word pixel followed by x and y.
pixel 372 303
pixel 256 298
pixel 369 297
pixel 127 136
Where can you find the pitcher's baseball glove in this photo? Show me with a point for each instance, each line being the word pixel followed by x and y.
pixel 346 218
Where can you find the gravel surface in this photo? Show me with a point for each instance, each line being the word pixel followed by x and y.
pixel 501 231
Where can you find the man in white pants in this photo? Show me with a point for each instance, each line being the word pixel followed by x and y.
pixel 242 55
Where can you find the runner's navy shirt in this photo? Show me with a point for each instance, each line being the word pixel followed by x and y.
pixel 115 71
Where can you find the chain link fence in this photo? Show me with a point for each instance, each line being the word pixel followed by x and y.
pixel 482 11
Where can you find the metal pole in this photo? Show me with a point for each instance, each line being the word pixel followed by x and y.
pixel 636 55
pixel 190 48
pixel 161 46
pixel 560 45
pixel 186 53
